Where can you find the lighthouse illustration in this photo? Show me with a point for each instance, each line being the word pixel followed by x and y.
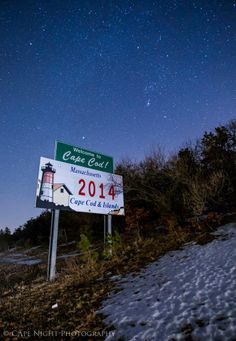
pixel 47 182
pixel 52 192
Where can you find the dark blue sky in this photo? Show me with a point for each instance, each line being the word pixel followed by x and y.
pixel 115 77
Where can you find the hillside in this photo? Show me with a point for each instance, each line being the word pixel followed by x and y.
pixel 188 294
pixel 71 304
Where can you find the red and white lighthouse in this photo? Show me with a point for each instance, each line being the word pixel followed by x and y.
pixel 46 190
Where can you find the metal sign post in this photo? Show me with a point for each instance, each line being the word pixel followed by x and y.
pixel 52 255
pixel 104 230
pixel 109 232
pixel 52 252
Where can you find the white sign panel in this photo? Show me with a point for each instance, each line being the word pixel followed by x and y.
pixel 69 187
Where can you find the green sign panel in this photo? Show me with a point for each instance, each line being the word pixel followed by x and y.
pixel 82 157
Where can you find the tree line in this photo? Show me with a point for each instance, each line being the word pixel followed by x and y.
pixel 159 190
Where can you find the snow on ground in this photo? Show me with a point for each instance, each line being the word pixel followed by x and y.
pixel 186 293
pixel 24 257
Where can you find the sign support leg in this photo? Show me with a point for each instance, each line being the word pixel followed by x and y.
pixel 104 230
pixel 52 255
pixel 109 232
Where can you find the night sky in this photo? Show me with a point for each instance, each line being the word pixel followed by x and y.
pixel 116 77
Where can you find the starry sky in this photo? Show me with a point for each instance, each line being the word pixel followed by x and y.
pixel 116 77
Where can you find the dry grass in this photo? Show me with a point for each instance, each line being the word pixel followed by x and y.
pixel 26 304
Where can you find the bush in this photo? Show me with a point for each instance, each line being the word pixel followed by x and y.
pixel 87 254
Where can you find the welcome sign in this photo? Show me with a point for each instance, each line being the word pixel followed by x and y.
pixel 82 157
pixel 65 186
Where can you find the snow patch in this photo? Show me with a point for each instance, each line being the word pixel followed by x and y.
pixel 186 292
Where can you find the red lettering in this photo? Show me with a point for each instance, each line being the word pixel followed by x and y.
pixel 112 192
pixel 92 189
pixel 102 196
pixel 82 188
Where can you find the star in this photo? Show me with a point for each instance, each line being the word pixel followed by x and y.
pixel 121 73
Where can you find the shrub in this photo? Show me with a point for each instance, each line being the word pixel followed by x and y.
pixel 87 254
